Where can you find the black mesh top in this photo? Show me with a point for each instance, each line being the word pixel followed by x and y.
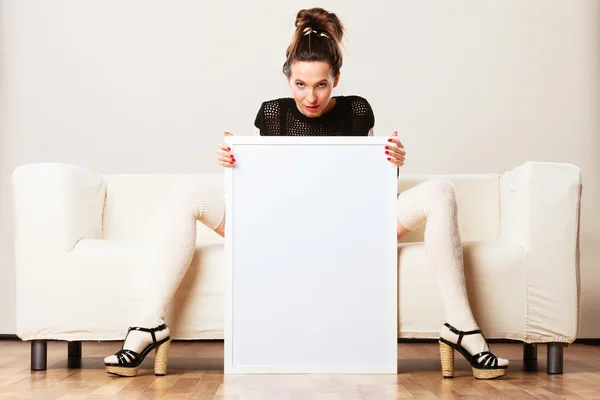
pixel 351 116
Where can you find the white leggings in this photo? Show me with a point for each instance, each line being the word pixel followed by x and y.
pixel 432 202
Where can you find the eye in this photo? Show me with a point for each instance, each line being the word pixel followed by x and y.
pixel 300 84
pixel 322 84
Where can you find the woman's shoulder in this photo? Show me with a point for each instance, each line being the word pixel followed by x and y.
pixel 357 104
pixel 275 105
pixel 269 114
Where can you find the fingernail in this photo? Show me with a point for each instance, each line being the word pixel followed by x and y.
pixel 231 156
pixel 389 159
pixel 389 140
pixel 387 152
pixel 229 149
pixel 387 147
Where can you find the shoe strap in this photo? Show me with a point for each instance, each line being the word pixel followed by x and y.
pixel 489 361
pixel 151 331
pixel 461 334
pixel 127 357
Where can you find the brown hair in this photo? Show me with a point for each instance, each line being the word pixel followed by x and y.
pixel 317 38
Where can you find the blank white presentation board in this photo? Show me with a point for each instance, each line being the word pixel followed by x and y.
pixel 311 247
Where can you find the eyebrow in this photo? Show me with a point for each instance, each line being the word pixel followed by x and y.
pixel 321 81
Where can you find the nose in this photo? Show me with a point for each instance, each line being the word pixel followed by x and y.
pixel 311 98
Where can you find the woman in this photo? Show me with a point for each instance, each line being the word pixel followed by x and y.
pixel 312 68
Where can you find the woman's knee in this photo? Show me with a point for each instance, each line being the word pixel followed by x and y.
pixel 442 189
pixel 194 192
pixel 179 195
pixel 441 193
pixel 206 202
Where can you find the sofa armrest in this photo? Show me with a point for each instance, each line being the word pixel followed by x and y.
pixel 540 204
pixel 56 204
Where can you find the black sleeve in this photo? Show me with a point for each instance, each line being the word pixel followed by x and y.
pixel 268 118
pixel 259 121
pixel 370 116
pixel 362 115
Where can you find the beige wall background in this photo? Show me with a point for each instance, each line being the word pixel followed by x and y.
pixel 134 86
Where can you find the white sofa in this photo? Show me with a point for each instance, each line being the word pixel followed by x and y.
pixel 83 240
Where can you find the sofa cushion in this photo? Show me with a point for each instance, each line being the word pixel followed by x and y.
pixel 112 275
pixel 495 277
pixel 103 284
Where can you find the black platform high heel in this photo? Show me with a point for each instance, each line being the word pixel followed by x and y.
pixel 486 368
pixel 129 361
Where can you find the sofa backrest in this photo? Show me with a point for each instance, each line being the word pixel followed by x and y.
pixel 135 205
pixel 478 198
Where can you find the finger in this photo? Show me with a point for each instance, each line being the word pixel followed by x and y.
pixel 395 158
pixel 398 147
pixel 397 142
pixel 227 162
pixel 396 162
pixel 394 150
pixel 225 147
pixel 394 139
pixel 225 157
pixel 228 133
pixel 395 155
pixel 224 154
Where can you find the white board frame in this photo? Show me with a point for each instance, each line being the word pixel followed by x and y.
pixel 281 143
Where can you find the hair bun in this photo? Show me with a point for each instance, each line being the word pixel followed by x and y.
pixel 317 37
pixel 320 20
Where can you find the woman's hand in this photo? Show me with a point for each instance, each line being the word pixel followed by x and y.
pixel 394 151
pixel 224 156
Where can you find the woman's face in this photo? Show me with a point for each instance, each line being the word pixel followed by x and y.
pixel 312 85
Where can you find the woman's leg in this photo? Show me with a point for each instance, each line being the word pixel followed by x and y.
pixel 434 203
pixel 175 248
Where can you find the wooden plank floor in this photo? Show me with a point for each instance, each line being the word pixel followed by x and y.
pixel 196 372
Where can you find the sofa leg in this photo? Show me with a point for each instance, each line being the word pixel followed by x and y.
pixel 74 349
pixel 39 355
pixel 74 354
pixel 555 358
pixel 530 363
pixel 529 352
